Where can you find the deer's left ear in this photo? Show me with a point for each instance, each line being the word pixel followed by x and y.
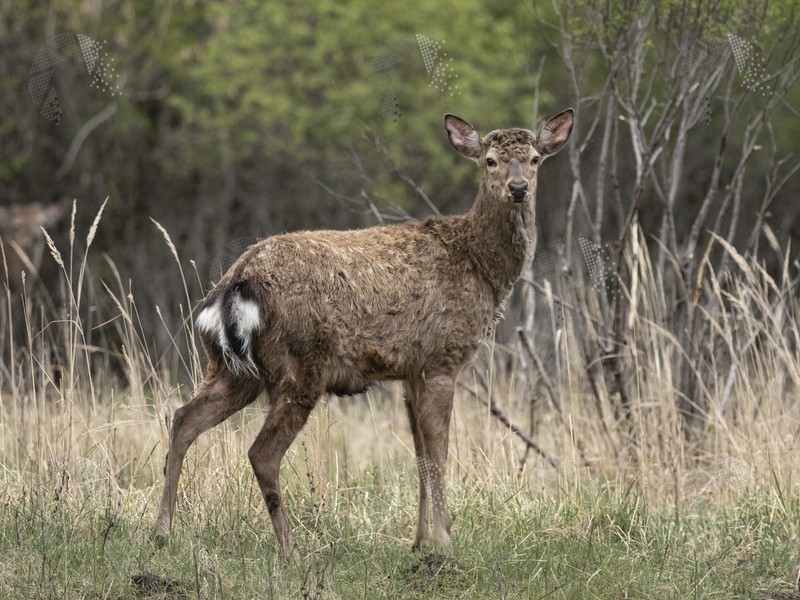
pixel 463 136
pixel 555 132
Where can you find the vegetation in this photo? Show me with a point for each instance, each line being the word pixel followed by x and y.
pixel 575 545
pixel 236 120
pixel 631 507
pixel 632 429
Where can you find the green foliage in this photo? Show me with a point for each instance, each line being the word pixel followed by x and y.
pixel 293 86
pixel 235 118
pixel 249 118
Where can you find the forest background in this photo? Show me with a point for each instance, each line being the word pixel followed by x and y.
pixel 228 122
pixel 631 429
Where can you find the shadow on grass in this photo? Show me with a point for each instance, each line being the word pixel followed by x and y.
pixel 147 585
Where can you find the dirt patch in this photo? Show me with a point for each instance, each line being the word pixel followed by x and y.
pixel 433 571
pixel 148 585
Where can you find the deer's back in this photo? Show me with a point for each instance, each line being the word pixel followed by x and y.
pixel 378 303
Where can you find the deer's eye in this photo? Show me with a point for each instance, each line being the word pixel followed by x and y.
pixel 535 160
pixel 490 162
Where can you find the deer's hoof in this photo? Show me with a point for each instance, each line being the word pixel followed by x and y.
pixel 159 537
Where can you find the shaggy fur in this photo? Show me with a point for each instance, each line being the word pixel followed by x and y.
pixel 306 313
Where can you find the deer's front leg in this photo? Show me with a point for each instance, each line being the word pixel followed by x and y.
pixel 429 402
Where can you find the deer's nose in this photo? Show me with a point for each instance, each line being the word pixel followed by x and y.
pixel 518 189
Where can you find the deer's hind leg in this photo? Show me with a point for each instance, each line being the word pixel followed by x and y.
pixel 291 406
pixel 217 398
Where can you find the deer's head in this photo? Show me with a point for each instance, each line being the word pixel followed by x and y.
pixel 510 158
pixel 22 238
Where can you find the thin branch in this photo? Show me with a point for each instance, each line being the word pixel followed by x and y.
pixel 500 416
pixel 81 136
pixel 400 172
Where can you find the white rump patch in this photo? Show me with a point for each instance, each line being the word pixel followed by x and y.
pixel 245 317
pixel 210 321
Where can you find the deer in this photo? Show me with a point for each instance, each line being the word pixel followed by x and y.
pixel 22 243
pixel 309 313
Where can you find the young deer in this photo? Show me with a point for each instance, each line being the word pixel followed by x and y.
pixel 308 313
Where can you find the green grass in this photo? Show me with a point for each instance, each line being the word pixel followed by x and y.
pixel 638 504
pixel 355 543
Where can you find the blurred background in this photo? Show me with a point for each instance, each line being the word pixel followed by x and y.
pixel 230 121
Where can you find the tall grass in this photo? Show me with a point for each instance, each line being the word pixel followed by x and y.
pixel 86 402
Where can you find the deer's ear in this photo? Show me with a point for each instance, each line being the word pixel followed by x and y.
pixel 555 132
pixel 463 137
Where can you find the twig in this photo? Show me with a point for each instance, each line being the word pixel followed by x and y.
pixel 551 388
pixel 400 172
pixel 570 307
pixel 81 136
pixel 498 414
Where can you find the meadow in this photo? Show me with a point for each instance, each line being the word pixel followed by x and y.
pixel 562 483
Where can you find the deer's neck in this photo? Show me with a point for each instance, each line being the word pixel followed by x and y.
pixel 500 240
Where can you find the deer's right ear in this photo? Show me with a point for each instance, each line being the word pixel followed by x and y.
pixel 463 137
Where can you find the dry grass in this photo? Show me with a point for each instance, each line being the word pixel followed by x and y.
pixel 85 401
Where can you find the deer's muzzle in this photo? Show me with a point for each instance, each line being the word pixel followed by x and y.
pixel 518 190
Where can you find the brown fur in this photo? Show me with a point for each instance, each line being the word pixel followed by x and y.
pixel 22 244
pixel 339 310
pixel 22 239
